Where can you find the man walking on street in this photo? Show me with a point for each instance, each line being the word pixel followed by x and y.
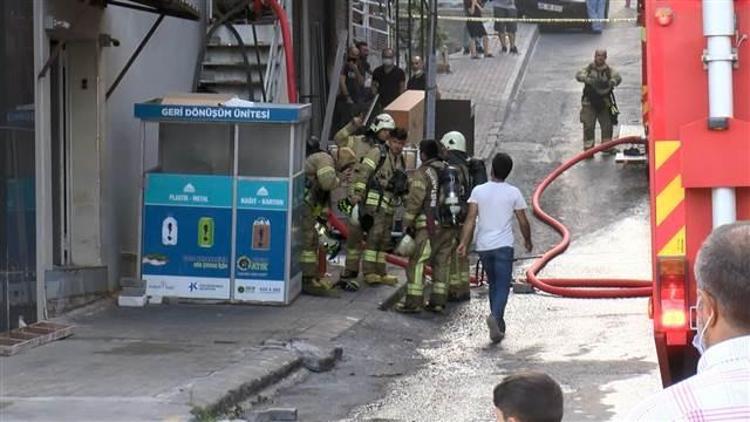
pixel 721 388
pixel 597 101
pixel 492 207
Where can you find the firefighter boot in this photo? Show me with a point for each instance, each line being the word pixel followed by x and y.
pixel 411 305
pixel 438 297
pixel 372 279
pixel 459 295
pixel 319 287
pixel 388 280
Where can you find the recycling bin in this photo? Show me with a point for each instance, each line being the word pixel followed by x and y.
pixel 221 200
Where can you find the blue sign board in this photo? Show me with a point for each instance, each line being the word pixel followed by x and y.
pixel 257 113
pixel 187 226
pixel 260 264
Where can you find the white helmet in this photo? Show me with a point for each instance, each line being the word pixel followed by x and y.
pixel 406 246
pixel 454 140
pixel 382 121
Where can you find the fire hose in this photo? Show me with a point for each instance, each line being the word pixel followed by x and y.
pixel 286 36
pixel 579 288
pixel 576 288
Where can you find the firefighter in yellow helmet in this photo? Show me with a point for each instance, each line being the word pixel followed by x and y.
pixel 379 181
pixel 421 223
pixel 321 177
pixel 354 136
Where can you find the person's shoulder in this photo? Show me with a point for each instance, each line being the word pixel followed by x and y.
pixel 665 405
pixel 378 71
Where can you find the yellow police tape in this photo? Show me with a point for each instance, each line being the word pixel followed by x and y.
pixel 528 20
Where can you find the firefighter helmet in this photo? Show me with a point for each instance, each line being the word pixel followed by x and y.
pixel 454 140
pixel 406 246
pixel 382 121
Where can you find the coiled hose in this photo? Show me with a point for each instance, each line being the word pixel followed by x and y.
pixel 583 287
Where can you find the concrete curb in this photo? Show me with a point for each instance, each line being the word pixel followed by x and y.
pixel 226 402
pixel 511 89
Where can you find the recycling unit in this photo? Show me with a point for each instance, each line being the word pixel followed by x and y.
pixel 221 204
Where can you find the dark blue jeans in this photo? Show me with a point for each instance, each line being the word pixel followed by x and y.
pixel 498 264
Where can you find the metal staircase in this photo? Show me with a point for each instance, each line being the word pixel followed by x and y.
pixel 243 55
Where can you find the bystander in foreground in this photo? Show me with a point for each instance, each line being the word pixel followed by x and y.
pixel 721 388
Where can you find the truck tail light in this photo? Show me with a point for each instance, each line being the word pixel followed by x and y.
pixel 671 294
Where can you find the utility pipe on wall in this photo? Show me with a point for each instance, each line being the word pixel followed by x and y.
pixel 718 28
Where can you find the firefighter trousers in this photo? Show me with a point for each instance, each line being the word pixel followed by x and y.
pixel 458 273
pixel 415 269
pixel 378 239
pixel 353 248
pixel 442 243
pixel 589 117
pixel 309 258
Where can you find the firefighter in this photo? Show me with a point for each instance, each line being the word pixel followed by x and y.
pixel 379 181
pixel 320 179
pixel 377 134
pixel 472 173
pixel 597 101
pixel 422 223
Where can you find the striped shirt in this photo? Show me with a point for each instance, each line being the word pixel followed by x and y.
pixel 720 391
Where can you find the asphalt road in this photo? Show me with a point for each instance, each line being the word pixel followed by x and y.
pixel 601 351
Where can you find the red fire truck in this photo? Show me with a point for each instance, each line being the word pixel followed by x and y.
pixel 696 106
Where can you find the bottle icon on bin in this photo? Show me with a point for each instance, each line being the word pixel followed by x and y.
pixel 169 231
pixel 206 232
pixel 261 234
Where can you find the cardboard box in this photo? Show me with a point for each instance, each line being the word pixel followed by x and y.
pixel 192 98
pixel 408 112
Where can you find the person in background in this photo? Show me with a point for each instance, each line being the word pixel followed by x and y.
pixel 596 10
pixel 364 54
pixel 599 81
pixel 352 96
pixel 721 388
pixel 473 8
pixel 528 397
pixel 506 30
pixel 492 207
pixel 388 80
pixel 417 81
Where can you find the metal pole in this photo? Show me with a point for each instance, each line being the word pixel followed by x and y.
pixel 409 35
pixel 718 28
pixel 398 40
pixel 421 27
pixel 431 88
pixel 132 58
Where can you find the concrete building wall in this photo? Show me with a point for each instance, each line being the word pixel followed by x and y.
pixel 165 65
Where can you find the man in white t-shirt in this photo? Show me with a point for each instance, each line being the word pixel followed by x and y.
pixel 492 207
